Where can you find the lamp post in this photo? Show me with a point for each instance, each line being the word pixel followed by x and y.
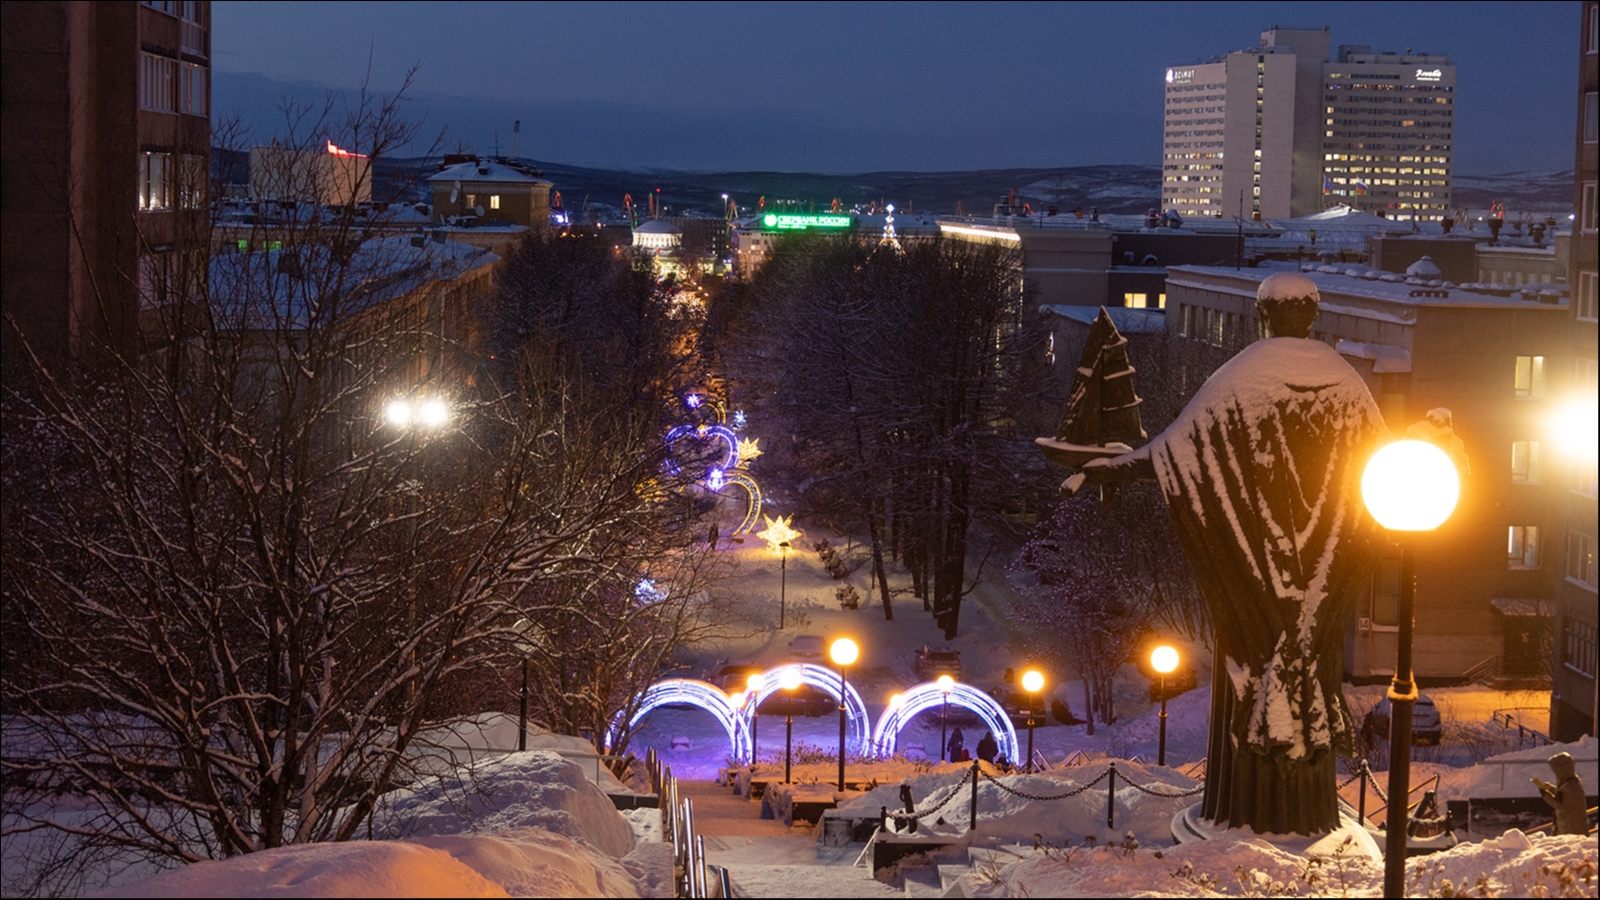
pixel 430 414
pixel 843 652
pixel 1033 683
pixel 783 584
pixel 753 686
pixel 946 685
pixel 1408 486
pixel 788 681
pixel 1164 660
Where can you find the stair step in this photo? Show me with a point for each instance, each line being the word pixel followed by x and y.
pixel 922 881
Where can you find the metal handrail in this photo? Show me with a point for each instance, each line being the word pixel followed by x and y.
pixel 1426 785
pixel 1197 767
pixel 1484 670
pixel 1077 758
pixel 1040 763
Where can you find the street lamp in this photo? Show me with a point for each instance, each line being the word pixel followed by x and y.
pixel 843 652
pixel 783 584
pixel 946 685
pixel 1164 660
pixel 1033 683
pixel 1408 486
pixel 432 414
pixel 753 685
pixel 789 680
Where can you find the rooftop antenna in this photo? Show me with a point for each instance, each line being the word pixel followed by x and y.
pixel 516 131
pixel 497 145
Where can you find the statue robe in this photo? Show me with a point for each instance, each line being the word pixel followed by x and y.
pixel 1262 476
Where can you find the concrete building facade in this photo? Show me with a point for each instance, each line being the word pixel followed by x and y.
pixel 105 152
pixel 1388 126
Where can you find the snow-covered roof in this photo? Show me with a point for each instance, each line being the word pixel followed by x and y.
pixel 1128 320
pixel 1352 281
pixel 484 170
pixel 657 226
pixel 1386 358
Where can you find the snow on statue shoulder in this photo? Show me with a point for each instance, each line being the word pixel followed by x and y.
pixel 1261 472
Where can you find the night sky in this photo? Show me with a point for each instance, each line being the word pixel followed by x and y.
pixel 862 87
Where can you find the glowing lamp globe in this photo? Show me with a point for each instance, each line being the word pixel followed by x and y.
pixel 1164 659
pixel 946 683
pixel 1033 681
pixel 398 412
pixel 789 680
pixel 434 413
pixel 1410 486
pixel 737 700
pixel 897 700
pixel 755 682
pixel 1575 428
pixel 844 652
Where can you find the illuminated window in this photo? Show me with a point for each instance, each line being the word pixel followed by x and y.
pixel 1522 546
pixel 1525 462
pixel 155 181
pixel 1161 301
pixel 494 201
pixel 1134 301
pixel 1529 380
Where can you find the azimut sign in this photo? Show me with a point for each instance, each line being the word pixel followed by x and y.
pixel 1429 74
pixel 1179 76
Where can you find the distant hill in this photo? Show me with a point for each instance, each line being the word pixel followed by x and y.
pixel 1111 189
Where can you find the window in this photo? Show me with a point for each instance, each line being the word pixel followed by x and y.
pixel 1525 462
pixel 1386 591
pixel 192 90
pixel 1591 117
pixel 1588 215
pixel 1522 547
pixel 1529 380
pixel 494 201
pixel 158 83
pixel 191 183
pixel 1592 45
pixel 1588 282
pixel 472 201
pixel 1161 301
pixel 1183 320
pixel 155 181
pixel 1214 319
pixel 1580 558
pixel 1135 301
pixel 1578 645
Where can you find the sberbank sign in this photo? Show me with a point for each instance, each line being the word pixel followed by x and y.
pixel 802 221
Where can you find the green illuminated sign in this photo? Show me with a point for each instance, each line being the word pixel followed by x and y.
pixel 802 221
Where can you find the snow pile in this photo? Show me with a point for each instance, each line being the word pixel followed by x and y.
pixel 354 869
pixel 1514 865
pixel 535 788
pixel 1008 811
pixel 532 862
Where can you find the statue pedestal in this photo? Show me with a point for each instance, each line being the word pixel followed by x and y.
pixel 1188 827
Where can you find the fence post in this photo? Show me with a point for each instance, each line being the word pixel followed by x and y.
pixel 1111 798
pixel 1361 807
pixel 972 814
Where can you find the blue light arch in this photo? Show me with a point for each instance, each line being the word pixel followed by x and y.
pixel 858 722
pixel 700 694
pixel 927 695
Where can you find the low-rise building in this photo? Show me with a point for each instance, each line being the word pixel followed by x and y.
pixel 473 190
pixel 332 176
pixel 1494 362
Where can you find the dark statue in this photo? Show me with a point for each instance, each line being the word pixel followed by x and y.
pixel 1261 474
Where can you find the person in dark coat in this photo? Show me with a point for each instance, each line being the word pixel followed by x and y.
pixel 988 747
pixel 958 743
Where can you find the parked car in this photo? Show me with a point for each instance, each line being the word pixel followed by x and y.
pixel 1018 703
pixel 734 677
pixel 806 648
pixel 935 660
pixel 804 700
pixel 1426 726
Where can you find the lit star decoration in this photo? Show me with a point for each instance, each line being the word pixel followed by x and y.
pixel 749 449
pixel 778 532
pixel 738 418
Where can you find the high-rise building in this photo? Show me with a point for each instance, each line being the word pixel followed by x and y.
pixel 105 156
pixel 1279 131
pixel 1388 122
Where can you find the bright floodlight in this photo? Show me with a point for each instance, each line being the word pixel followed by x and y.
pixel 434 413
pixel 1164 659
pixel 1032 681
pixel 755 682
pixel 1410 486
pixel 789 680
pixel 897 700
pixel 1575 428
pixel 398 413
pixel 946 683
pixel 844 652
pixel 737 700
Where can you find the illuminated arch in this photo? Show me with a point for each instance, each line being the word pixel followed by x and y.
pixel 753 508
pixel 730 457
pixel 925 696
pixel 858 722
pixel 701 694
